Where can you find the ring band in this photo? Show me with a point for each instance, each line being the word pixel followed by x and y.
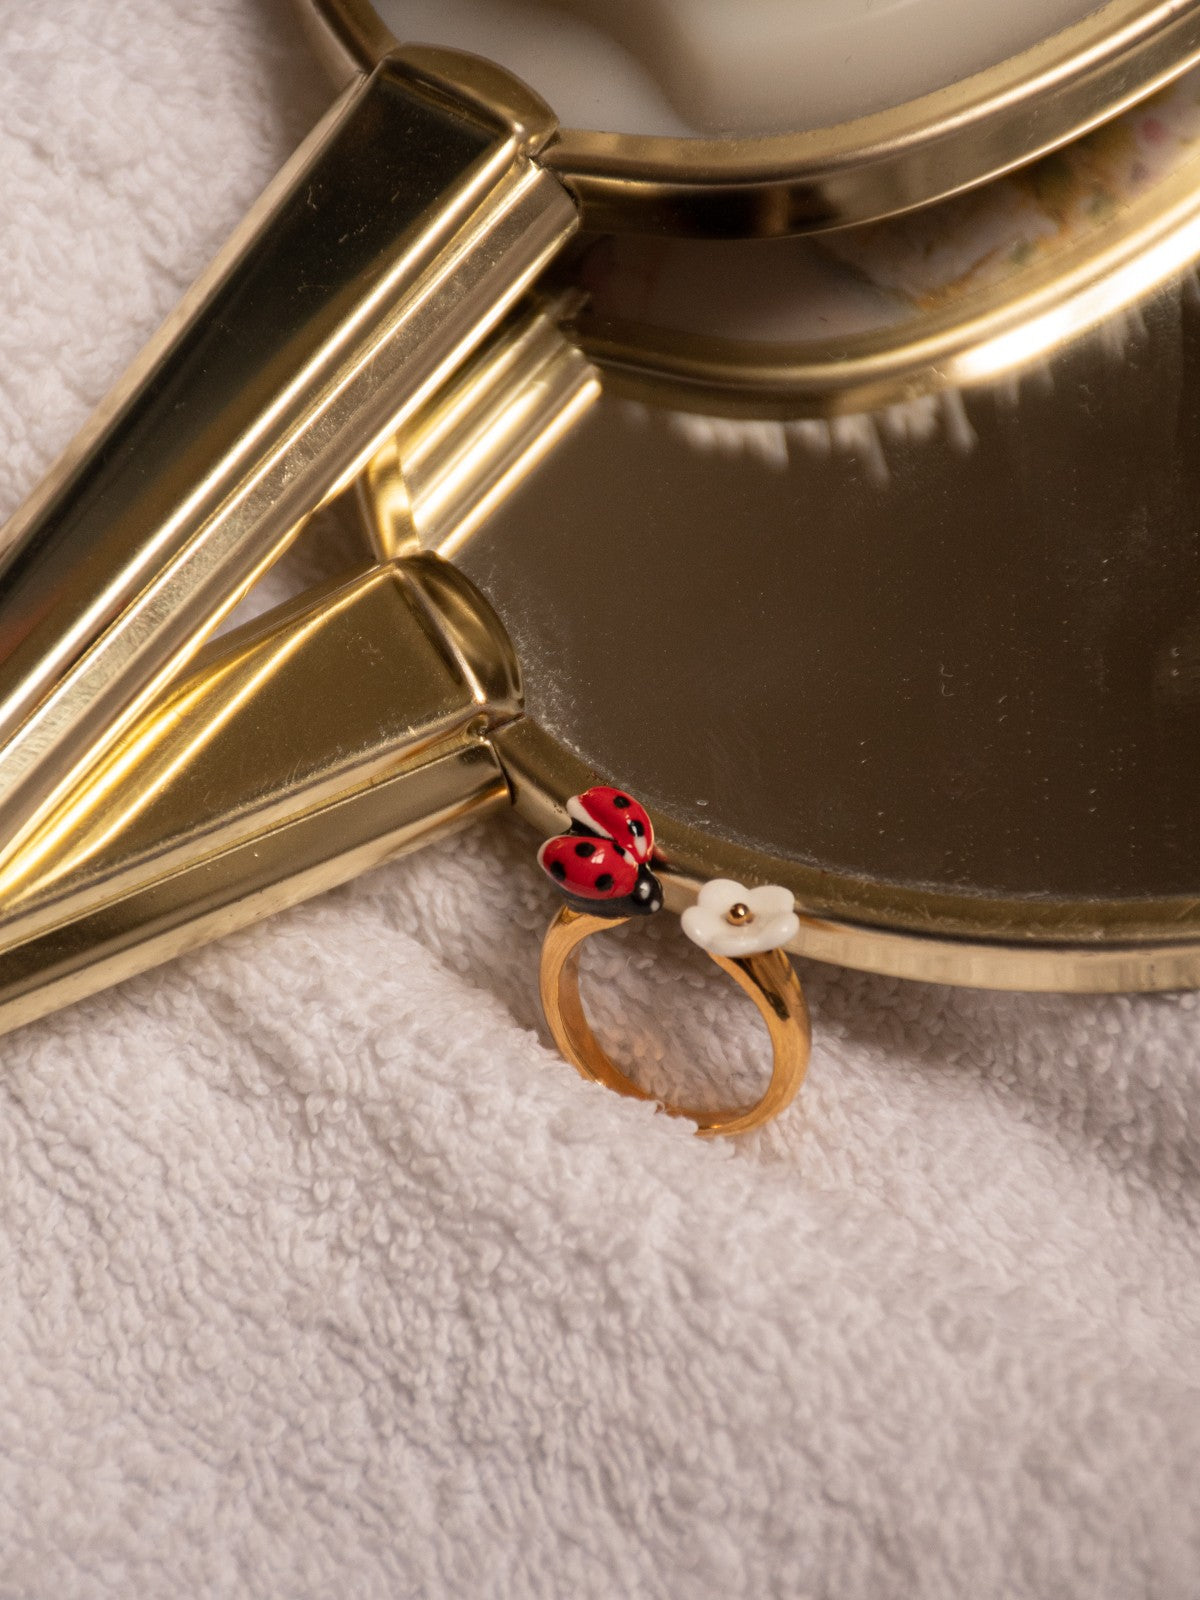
pixel 767 977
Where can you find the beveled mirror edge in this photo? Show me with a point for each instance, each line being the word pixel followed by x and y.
pixel 865 169
pixel 964 342
pixel 969 940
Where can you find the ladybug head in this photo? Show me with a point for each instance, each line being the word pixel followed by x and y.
pixel 647 896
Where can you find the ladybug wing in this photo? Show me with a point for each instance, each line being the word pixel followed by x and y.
pixel 616 816
pixel 588 869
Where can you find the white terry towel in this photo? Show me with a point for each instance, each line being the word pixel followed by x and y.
pixel 321 1275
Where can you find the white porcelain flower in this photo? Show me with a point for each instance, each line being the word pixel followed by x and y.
pixel 730 920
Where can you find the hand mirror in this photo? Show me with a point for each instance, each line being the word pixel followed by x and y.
pixel 800 662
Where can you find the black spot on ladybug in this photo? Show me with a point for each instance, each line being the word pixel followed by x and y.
pixel 584 850
pixel 557 870
pixel 604 882
pixel 636 828
pixel 621 801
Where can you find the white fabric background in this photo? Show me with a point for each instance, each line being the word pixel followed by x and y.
pixel 320 1275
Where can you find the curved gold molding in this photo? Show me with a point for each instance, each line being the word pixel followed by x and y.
pixel 873 166
pixel 1045 943
pixel 965 342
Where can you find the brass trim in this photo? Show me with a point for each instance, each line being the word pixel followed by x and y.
pixel 336 732
pixel 870 167
pixel 351 41
pixel 353 291
pixel 432 484
pixel 963 343
pixel 213 897
pixel 348 37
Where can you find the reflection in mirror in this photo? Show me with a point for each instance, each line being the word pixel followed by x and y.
pixel 706 67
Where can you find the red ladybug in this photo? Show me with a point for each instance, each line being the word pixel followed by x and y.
pixel 601 865
pixel 614 815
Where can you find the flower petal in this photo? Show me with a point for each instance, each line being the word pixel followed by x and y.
pixel 773 924
pixel 777 930
pixel 703 926
pixel 718 894
pixel 771 900
pixel 736 941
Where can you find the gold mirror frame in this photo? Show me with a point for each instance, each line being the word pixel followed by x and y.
pixel 970 941
pixel 148 811
pixel 871 167
pixel 969 340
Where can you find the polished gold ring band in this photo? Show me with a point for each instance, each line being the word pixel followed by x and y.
pixel 768 979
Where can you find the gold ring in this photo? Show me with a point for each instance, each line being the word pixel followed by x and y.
pixel 768 979
pixel 604 868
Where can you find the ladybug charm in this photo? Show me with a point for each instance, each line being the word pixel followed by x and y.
pixel 617 816
pixel 603 865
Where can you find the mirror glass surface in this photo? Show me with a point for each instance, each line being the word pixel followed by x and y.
pixel 966 662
